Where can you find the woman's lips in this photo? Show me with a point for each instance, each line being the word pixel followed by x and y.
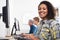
pixel 41 13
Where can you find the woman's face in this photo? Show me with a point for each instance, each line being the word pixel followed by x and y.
pixel 42 10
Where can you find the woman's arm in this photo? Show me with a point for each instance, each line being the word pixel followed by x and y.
pixel 30 36
pixel 33 37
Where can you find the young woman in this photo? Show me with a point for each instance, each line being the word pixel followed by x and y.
pixel 48 26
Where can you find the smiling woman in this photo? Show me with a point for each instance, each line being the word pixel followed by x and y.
pixel 46 10
pixel 48 26
pixel 42 10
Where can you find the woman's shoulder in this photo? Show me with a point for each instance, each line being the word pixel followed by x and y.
pixel 54 22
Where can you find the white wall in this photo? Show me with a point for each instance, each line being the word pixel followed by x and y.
pixel 2 3
pixel 23 10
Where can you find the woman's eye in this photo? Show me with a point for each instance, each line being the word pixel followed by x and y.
pixel 39 9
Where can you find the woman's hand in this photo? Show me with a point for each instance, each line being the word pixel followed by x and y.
pixel 30 36
pixel 25 35
pixel 33 37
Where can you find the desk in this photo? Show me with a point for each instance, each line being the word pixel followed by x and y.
pixel 17 38
pixel 21 38
pixel 7 38
pixel 14 37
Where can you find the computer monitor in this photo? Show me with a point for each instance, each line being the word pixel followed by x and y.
pixel 15 27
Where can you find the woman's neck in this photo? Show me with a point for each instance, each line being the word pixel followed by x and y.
pixel 44 18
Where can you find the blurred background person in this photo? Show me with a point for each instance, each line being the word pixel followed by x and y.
pixel 36 24
pixel 32 27
pixel 36 21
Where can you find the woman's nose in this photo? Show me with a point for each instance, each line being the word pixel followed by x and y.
pixel 40 10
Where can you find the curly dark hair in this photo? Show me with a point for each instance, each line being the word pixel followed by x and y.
pixel 51 10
